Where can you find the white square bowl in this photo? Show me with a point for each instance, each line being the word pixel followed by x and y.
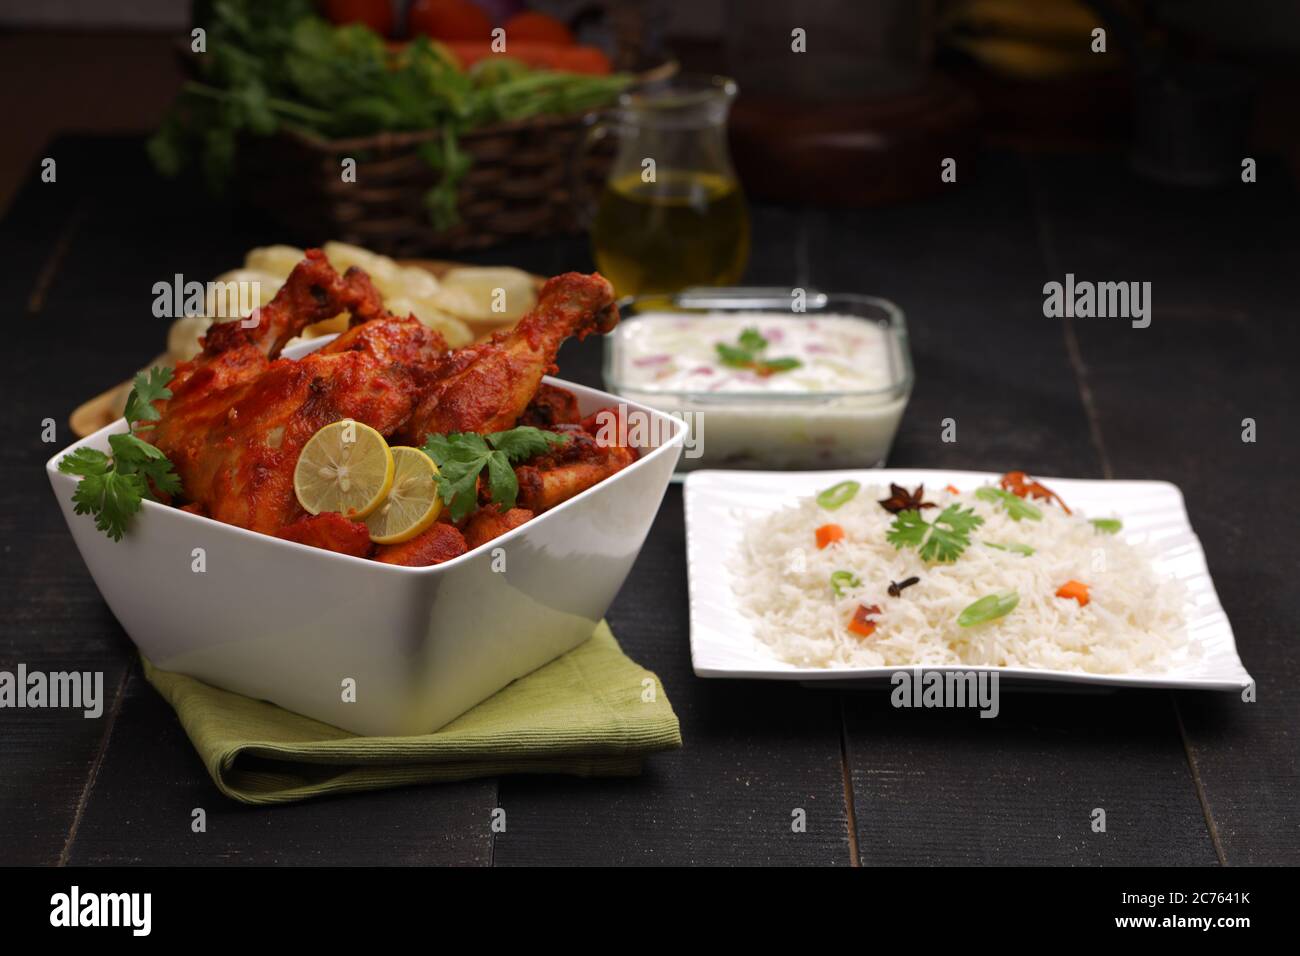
pixel 720 504
pixel 289 623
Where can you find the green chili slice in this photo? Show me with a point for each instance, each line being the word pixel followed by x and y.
pixel 844 579
pixel 836 496
pixel 1024 549
pixel 988 608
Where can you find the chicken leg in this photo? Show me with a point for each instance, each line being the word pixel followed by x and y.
pixel 239 416
pixel 486 387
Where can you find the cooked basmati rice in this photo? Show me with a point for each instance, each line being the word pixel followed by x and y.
pixel 1133 619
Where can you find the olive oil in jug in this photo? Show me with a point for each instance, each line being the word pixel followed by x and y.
pixel 687 229
pixel 672 214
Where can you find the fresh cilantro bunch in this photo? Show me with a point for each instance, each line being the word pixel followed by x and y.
pixel 274 64
pixel 111 488
pixel 462 456
pixel 748 353
pixel 944 539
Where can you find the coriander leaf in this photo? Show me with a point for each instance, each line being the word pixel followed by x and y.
pixel 149 387
pixel 960 520
pixel 458 487
pixel 944 540
pixel 734 357
pixel 112 489
pixel 88 462
pixel 948 542
pixel 130 449
pixel 766 367
pixel 160 474
pixel 460 457
pixel 909 529
pixel 524 442
pixel 502 484
pixel 746 354
pixel 458 446
pixel 131 455
pixel 112 498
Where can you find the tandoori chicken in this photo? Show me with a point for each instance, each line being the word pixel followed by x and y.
pixel 240 414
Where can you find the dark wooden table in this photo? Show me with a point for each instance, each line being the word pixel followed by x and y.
pixel 1185 778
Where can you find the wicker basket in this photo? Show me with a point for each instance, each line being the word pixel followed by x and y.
pixel 521 183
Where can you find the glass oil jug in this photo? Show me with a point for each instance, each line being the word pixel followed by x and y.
pixel 671 214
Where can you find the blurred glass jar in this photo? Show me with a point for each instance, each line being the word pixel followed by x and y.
pixel 671 214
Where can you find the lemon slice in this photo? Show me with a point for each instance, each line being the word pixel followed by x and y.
pixel 344 467
pixel 412 503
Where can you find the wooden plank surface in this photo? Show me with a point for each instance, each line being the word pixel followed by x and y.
pixel 755 752
pixel 151 784
pixel 1170 400
pixel 943 787
pixel 54 620
pixel 924 787
pixel 95 324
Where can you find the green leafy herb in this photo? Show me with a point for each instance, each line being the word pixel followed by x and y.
pixel 112 488
pixel 462 456
pixel 841 580
pixel 1016 507
pixel 772 366
pixel 943 540
pixel 748 353
pixel 1107 525
pixel 1024 549
pixel 989 608
pixel 274 65
pixel 837 496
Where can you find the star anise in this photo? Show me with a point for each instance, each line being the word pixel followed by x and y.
pixel 900 499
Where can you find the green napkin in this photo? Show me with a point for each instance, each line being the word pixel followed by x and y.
pixel 583 713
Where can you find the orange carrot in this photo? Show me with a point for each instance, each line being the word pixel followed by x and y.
pixel 862 628
pixel 1074 589
pixel 531 26
pixel 827 534
pixel 549 56
pixel 862 624
pixel 953 490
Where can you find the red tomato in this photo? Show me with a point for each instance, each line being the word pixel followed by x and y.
pixel 376 14
pixel 539 27
pixel 449 20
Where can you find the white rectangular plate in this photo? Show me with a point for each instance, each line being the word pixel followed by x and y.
pixel 721 504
